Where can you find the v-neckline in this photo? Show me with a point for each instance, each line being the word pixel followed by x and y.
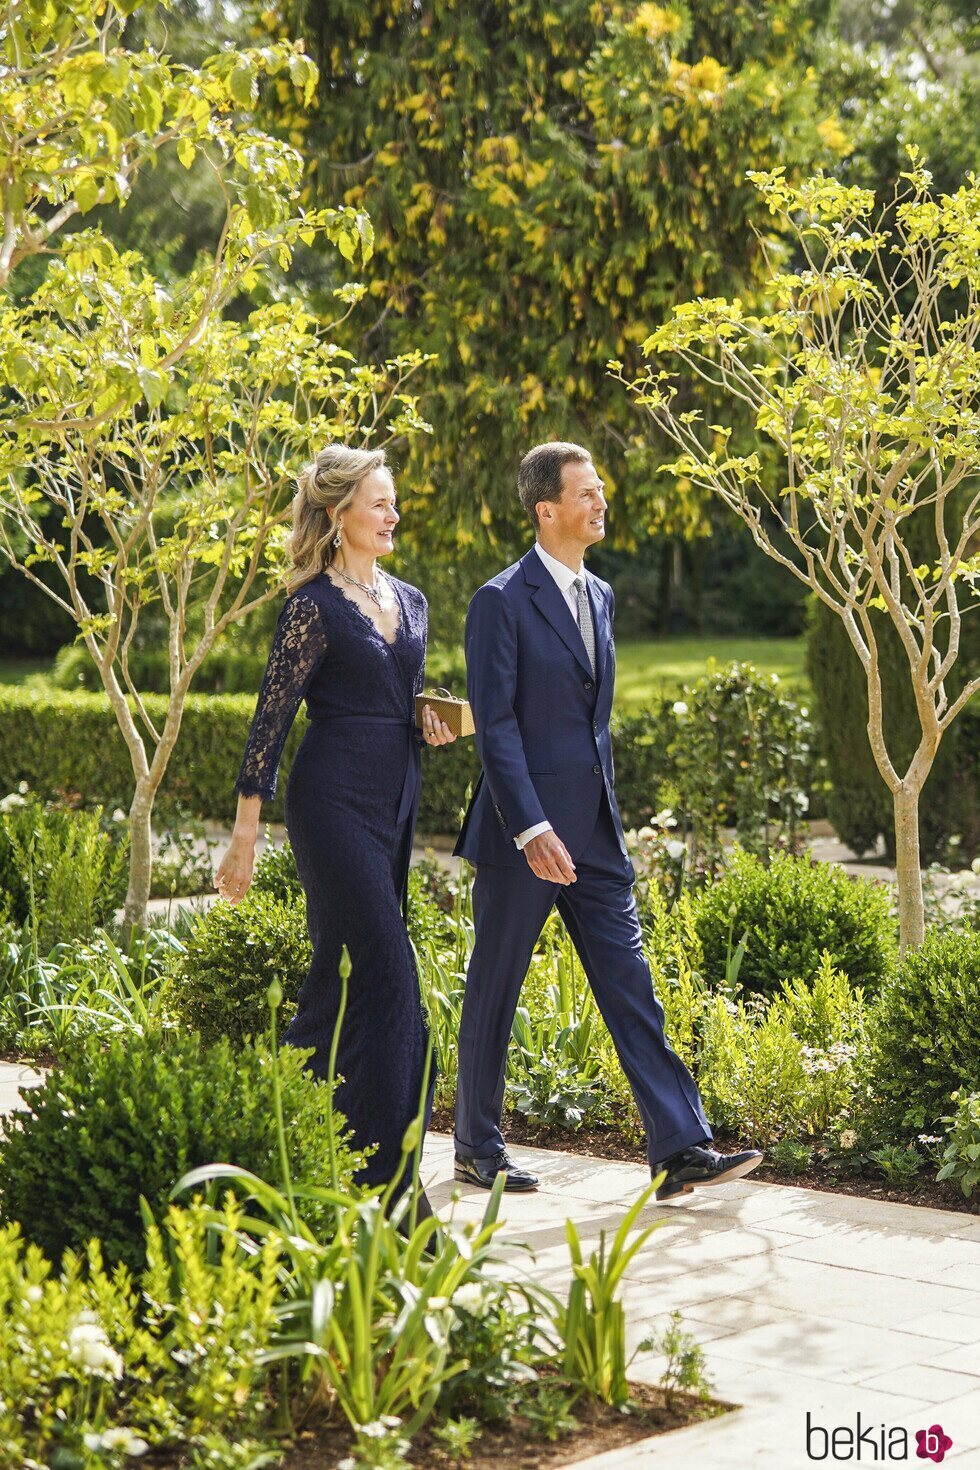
pixel 367 618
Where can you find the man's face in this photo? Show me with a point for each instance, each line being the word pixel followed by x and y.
pixel 580 514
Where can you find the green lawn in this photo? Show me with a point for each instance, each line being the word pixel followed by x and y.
pixel 19 670
pixel 648 668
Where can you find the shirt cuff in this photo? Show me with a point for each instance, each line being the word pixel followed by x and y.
pixel 523 838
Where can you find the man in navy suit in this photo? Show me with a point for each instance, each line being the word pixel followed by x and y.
pixel 543 828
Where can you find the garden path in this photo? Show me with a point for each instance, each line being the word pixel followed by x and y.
pixel 804 1302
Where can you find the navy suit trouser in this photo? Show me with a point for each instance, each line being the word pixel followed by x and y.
pixel 510 907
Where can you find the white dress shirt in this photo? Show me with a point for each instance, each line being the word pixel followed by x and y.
pixel 565 577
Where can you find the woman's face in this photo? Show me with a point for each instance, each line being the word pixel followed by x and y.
pixel 369 521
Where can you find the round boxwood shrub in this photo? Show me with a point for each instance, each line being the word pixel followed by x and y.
pixel 925 1032
pixel 220 980
pixel 791 912
pixel 113 1123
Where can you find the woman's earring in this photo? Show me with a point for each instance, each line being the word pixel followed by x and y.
pixel 336 539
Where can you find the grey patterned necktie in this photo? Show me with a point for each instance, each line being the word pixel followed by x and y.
pixel 585 620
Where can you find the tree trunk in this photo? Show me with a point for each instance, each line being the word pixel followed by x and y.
pixel 140 859
pixel 911 914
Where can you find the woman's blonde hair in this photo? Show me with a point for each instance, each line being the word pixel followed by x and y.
pixel 324 489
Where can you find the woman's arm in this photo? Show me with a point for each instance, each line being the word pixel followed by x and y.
pixel 298 649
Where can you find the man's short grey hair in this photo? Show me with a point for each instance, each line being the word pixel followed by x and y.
pixel 539 477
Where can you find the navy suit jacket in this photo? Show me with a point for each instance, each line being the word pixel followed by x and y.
pixel 541 716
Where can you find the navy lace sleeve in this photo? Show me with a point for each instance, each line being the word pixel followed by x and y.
pixel 297 651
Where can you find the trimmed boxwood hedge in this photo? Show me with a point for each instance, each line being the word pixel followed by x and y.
pixel 69 741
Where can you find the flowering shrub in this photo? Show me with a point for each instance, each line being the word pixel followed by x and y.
pixel 97 1369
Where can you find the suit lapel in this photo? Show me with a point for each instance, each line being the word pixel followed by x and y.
pixel 549 601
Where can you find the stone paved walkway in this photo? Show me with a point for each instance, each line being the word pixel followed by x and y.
pixel 803 1301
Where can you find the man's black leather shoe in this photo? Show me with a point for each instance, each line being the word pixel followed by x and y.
pixel 696 1166
pixel 484 1171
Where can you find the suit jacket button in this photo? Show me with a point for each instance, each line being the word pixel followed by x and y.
pixel 587 684
pixel 597 770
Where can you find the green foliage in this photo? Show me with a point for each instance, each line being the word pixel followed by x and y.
pixel 591 1324
pixel 859 803
pixel 685 1367
pixel 221 977
pixel 97 1367
pixel 544 184
pixel 49 1001
pixel 788 1066
pixel 790 913
pixel 925 1031
pixel 497 1334
pixel 961 1156
pixel 114 1123
pixel 61 871
pixel 740 755
pixel 70 741
pixel 275 872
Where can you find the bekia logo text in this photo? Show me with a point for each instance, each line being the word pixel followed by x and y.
pixel 873 1442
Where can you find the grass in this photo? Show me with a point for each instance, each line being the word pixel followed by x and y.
pixel 19 670
pixel 650 668
pixel 646 668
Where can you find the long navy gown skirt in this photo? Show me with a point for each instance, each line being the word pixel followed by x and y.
pixel 350 808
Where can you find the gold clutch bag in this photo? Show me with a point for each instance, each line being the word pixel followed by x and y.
pixel 456 712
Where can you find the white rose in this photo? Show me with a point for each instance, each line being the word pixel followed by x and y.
pixel 679 707
pixel 9 802
pixel 23 787
pixel 676 850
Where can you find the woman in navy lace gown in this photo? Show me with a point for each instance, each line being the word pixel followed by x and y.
pixel 351 642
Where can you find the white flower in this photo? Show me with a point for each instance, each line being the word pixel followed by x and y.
pixel 33 1293
pixel 119 815
pixel 848 1138
pixel 10 801
pixel 676 850
pixel 645 834
pixel 470 1297
pixel 679 707
pixel 119 1438
pixel 438 1303
pixel 975 866
pixel 804 711
pixel 802 801
pixel 23 787
pixel 89 1347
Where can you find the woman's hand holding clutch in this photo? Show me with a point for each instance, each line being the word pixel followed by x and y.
pixel 436 731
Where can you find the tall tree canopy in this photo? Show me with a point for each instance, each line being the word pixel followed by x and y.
pixel 545 184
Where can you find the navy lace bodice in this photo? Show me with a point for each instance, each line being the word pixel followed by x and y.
pixel 329 652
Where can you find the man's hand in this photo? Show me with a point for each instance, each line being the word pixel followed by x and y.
pixel 548 858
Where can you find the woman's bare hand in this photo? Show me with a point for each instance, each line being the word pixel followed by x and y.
pixel 437 732
pixel 234 876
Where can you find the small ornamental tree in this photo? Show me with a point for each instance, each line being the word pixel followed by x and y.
pixel 148 440
pixel 865 371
